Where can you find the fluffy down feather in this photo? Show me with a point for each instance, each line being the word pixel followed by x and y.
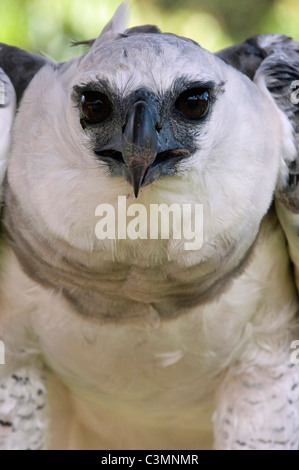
pixel 143 341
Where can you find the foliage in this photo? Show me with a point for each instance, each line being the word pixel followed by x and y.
pixel 50 25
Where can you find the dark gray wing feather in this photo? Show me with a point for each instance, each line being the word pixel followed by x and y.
pixel 20 66
pixel 277 58
pixel 248 55
pixel 281 70
pixel 245 57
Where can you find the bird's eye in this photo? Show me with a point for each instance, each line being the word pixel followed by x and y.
pixel 193 103
pixel 96 106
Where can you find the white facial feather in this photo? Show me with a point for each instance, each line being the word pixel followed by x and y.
pixel 61 183
pixel 150 382
pixel 116 25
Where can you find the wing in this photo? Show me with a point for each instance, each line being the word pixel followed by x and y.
pixel 7 112
pixel 273 60
pixel 17 68
pixel 22 394
pixel 23 398
pixel 20 66
pixel 24 410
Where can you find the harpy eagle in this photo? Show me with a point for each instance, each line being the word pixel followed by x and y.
pixel 141 344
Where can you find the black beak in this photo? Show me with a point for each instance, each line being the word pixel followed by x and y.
pixel 144 149
pixel 140 143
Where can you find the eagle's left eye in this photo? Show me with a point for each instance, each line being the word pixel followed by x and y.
pixel 96 106
pixel 193 103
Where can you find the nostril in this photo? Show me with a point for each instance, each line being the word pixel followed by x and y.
pixel 172 154
pixel 124 127
pixel 158 127
pixel 110 154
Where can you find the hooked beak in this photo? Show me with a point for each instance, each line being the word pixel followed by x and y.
pixel 140 143
pixel 144 150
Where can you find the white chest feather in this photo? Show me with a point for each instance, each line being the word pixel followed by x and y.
pixel 153 368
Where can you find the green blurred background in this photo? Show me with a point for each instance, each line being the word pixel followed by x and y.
pixel 48 26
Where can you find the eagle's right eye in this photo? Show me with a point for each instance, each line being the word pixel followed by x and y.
pixel 193 103
pixel 96 107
